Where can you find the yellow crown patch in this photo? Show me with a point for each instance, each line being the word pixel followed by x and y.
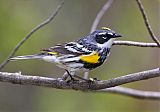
pixel 105 28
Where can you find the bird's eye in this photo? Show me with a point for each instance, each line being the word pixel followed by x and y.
pixel 101 39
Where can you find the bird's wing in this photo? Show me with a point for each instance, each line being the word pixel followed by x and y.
pixel 70 48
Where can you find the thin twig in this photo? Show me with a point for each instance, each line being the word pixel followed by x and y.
pixel 132 93
pixel 58 83
pixel 48 20
pixel 147 22
pixel 100 14
pixel 137 44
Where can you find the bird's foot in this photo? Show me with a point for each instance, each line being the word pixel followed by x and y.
pixel 92 79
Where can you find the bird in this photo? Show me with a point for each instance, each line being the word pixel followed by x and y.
pixel 84 54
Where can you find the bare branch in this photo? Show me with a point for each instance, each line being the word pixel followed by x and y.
pixel 132 92
pixel 48 20
pixel 147 22
pixel 138 44
pixel 100 14
pixel 58 83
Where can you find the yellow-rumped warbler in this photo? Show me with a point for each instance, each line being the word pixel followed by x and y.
pixel 84 54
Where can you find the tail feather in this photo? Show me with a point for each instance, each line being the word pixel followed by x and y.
pixel 36 56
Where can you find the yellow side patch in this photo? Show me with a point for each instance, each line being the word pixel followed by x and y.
pixel 105 28
pixel 53 53
pixel 91 58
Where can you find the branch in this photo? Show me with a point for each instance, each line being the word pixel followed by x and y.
pixel 138 44
pixel 48 20
pixel 17 78
pixel 132 93
pixel 100 15
pixel 147 22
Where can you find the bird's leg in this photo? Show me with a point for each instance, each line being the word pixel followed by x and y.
pixel 76 76
pixel 70 75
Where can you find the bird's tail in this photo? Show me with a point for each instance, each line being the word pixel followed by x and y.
pixel 36 56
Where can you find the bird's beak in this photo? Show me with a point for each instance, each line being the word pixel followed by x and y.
pixel 118 35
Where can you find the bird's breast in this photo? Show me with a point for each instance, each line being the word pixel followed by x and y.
pixel 94 59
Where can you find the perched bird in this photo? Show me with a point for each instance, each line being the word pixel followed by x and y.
pixel 84 54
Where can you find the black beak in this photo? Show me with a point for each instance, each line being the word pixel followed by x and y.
pixel 117 35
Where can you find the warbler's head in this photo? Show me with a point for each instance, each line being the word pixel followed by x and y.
pixel 104 37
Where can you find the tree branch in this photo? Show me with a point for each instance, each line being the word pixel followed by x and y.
pixel 137 44
pixel 100 15
pixel 147 22
pixel 132 93
pixel 48 20
pixel 17 78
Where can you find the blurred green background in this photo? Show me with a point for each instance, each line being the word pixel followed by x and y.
pixel 18 17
